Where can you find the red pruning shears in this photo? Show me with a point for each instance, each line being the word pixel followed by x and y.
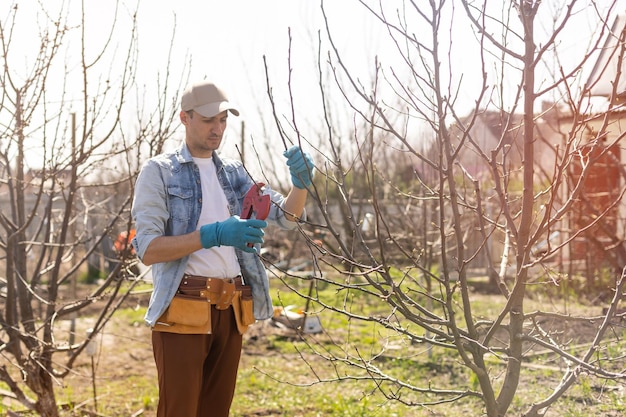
pixel 256 203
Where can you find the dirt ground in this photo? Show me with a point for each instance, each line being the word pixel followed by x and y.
pixel 123 351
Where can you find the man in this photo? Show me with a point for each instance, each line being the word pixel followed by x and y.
pixel 186 211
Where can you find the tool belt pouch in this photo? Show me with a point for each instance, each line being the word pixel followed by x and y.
pixel 186 315
pixel 243 306
pixel 221 292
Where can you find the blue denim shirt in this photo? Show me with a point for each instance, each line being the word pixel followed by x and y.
pixel 168 202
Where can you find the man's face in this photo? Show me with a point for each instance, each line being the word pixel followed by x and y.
pixel 203 134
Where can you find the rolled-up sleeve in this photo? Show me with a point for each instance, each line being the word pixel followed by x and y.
pixel 277 212
pixel 149 209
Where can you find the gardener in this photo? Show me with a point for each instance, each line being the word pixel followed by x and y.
pixel 186 210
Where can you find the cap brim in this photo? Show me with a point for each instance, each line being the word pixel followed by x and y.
pixel 213 109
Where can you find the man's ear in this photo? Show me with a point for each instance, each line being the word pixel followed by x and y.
pixel 184 117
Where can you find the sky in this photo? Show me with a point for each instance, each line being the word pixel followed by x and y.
pixel 232 41
pixel 229 41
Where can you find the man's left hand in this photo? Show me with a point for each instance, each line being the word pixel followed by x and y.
pixel 300 166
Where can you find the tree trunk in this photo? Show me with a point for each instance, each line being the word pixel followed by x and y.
pixel 43 386
pixel 528 11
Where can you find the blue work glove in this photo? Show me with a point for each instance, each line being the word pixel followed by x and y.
pixel 300 166
pixel 233 231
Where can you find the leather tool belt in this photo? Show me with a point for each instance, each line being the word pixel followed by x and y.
pixel 190 310
pixel 218 291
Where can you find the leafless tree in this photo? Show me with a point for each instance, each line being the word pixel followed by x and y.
pixel 467 205
pixel 70 135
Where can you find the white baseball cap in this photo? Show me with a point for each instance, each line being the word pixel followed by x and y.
pixel 206 99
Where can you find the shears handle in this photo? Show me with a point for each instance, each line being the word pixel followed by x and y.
pixel 256 204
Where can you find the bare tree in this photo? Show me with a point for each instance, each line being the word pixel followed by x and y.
pixel 70 150
pixel 470 204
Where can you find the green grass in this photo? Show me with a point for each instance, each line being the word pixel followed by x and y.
pixel 282 374
pixel 132 316
pixel 259 393
pixel 422 367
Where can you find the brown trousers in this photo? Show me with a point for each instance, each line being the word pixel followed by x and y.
pixel 198 372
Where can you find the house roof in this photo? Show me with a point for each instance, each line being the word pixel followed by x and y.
pixel 611 59
pixel 496 122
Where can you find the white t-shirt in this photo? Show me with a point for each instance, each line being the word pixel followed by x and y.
pixel 218 261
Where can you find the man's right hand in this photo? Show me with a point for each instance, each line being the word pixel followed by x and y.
pixel 234 231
